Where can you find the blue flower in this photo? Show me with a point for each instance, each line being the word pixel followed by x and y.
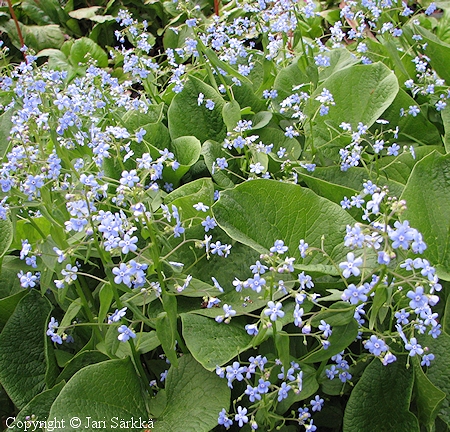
pixel 375 346
pixel 418 298
pixel 326 328
pixel 224 420
pixel 354 294
pixel 210 104
pixel 350 267
pixel 252 393
pixel 209 223
pixel 303 247
pixel 413 347
pixel 426 359
pixel 283 391
pixel 117 315
pixel 125 333
pixel 279 247
pixel 27 280
pixel 252 329
pixel 274 311
pixel 235 371
pixel 317 403
pixel 256 283
pixel 402 235
pixel 128 244
pixel 263 386
pixel 241 417
pixel 122 274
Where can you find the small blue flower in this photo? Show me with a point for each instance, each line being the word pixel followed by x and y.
pixel 317 403
pixel 125 333
pixel 375 346
pixel 241 417
pixel 326 328
pixel 279 247
pixel 224 420
pixel 413 347
pixel 117 315
pixel 252 393
pixel 426 359
pixel 252 329
pixel 274 310
pixel 283 391
pixel 350 267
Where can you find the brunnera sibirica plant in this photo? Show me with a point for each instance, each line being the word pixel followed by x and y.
pixel 240 222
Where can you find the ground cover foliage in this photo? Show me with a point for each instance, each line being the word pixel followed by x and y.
pixel 225 216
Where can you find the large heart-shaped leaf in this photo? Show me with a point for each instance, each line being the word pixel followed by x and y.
pixel 259 212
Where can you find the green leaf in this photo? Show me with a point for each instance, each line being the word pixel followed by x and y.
pixel 399 168
pixel 71 313
pixel 144 343
pixel 445 115
pixel 338 314
pixel 133 120
pixel 8 305
pixel 213 344
pixel 270 135
pixel 437 50
pixel 282 344
pixel 379 301
pixel 186 117
pixel 380 400
pixel 324 188
pixel 428 397
pixel 341 338
pixel 79 361
pixel 85 49
pixel 166 327
pixel 194 395
pixel 259 212
pixel 90 13
pixel 106 296
pixel 428 209
pixel 9 282
pixel 351 179
pixel 24 229
pixel 38 37
pixel 231 113
pixel 85 13
pixel 211 150
pixel 186 196
pixel 57 60
pixel 287 79
pixel 187 150
pixel 261 119
pixel 105 391
pixel 6 235
pixel 365 91
pixel 5 128
pixel 309 387
pixel 22 349
pixel 439 372
pixel 411 129
pixel 339 59
pixel 39 406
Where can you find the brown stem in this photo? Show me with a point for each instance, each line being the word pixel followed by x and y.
pixel 216 7
pixel 16 22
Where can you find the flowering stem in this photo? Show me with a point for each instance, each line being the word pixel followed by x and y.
pixel 137 360
pixel 86 308
pixel 16 22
